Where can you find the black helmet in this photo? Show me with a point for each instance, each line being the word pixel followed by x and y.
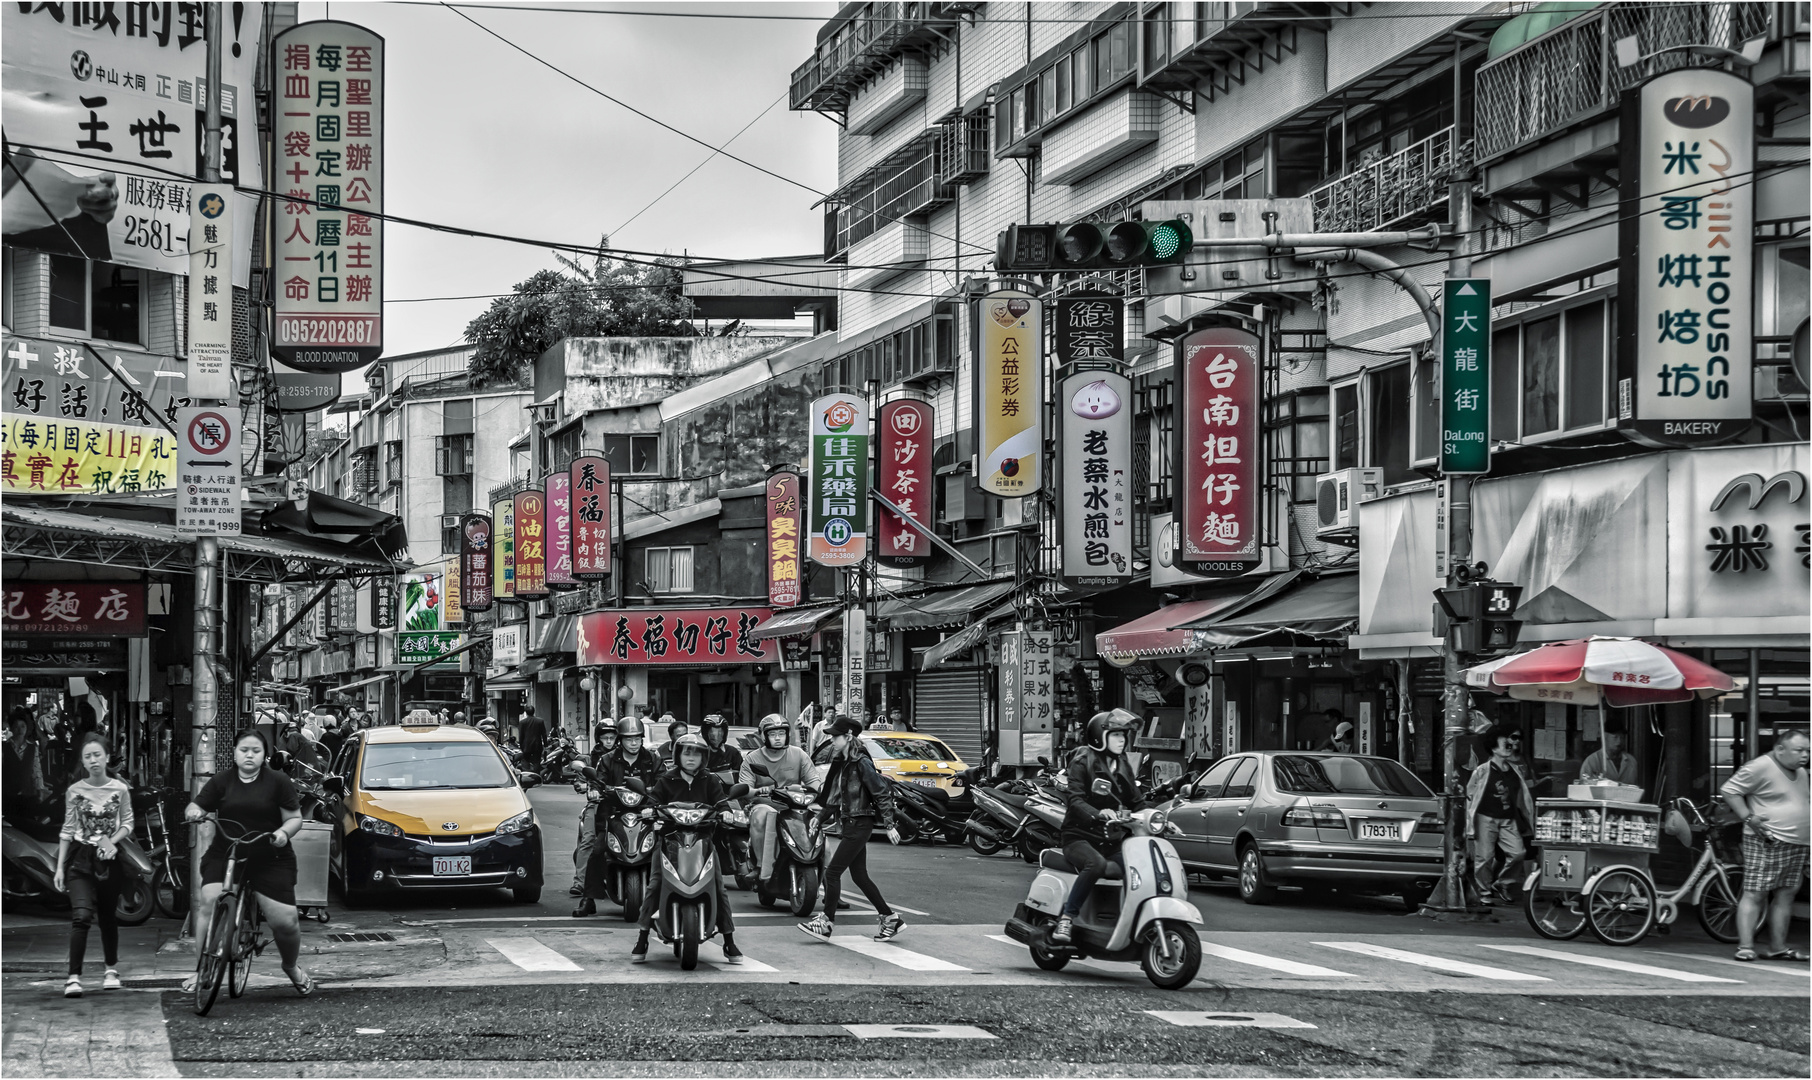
pixel 630 728
pixel 715 724
pixel 1100 724
pixel 607 726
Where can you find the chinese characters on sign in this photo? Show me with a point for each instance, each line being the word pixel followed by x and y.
pixel 1095 448
pixel 211 293
pixel 784 517
pixel 1010 373
pixel 589 491
pixel 1027 695
pixel 674 636
pixel 88 609
pixel 1090 329
pixel 839 480
pixel 855 660
pixel 207 472
pixel 503 549
pixel 452 605
pixel 1465 376
pixel 475 561
pixel 530 531
pixel 425 646
pixel 904 475
pixel 383 602
pixel 1218 446
pixel 328 154
pixel 559 530
pixel 1686 323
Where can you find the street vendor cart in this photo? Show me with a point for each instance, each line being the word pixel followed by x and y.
pixel 1592 869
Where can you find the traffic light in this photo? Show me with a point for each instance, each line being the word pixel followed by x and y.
pixel 1088 245
pixel 1479 616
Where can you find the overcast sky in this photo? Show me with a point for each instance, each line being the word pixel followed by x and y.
pixel 481 136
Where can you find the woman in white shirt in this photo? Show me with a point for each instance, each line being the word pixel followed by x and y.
pixel 97 815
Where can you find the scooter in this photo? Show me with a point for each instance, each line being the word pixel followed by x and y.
pixel 31 874
pixel 798 849
pixel 1142 914
pixel 1003 819
pixel 688 873
pixel 629 849
pixel 927 813
pixel 734 853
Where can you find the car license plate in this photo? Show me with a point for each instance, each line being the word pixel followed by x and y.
pixel 1380 830
pixel 452 865
pixel 924 781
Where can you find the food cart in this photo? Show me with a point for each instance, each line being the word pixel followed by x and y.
pixel 1592 865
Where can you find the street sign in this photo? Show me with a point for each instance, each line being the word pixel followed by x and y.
pixel 211 292
pixel 589 490
pixel 1094 440
pixel 855 660
pixel 1009 396
pixel 839 480
pixel 1465 376
pixel 784 515
pixel 1218 432
pixel 904 468
pixel 207 472
pixel 475 560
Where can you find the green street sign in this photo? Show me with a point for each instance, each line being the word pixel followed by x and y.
pixel 1465 376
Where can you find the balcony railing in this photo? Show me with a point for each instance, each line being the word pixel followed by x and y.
pixel 1572 74
pixel 1391 189
pixel 871 36
pixel 910 182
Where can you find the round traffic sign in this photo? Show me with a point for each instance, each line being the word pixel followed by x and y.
pixel 210 433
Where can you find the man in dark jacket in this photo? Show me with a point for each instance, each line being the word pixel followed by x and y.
pixel 531 730
pixel 688 782
pixel 632 759
pixel 855 795
pixel 1100 789
pixel 724 757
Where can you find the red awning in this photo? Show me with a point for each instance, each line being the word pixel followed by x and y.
pixel 1156 634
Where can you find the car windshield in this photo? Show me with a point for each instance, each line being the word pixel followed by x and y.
pixel 1338 775
pixel 886 748
pixel 421 766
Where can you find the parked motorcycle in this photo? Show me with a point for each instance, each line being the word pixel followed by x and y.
pixel 31 872
pixel 798 848
pixel 688 872
pixel 561 751
pixel 1026 823
pixel 628 844
pixel 1142 914
pixel 928 813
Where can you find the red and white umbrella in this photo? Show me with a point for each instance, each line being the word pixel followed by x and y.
pixel 1621 672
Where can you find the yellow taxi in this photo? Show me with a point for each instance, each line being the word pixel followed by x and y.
pixel 912 758
pixel 426 806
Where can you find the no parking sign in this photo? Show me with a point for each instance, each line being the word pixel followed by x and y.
pixel 207 472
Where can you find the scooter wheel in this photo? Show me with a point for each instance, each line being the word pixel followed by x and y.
pixel 981 845
pixel 1049 959
pixel 1179 969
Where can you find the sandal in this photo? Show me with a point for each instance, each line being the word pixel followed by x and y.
pixel 306 986
pixel 188 985
pixel 1746 955
pixel 1790 955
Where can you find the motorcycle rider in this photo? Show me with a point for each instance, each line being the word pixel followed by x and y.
pixel 675 728
pixel 724 757
pixel 1101 785
pixel 631 759
pixel 785 765
pixel 604 740
pixel 689 781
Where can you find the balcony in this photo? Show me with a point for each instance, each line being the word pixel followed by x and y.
pixel 869 36
pixel 1571 74
pixel 963 153
pixel 1224 42
pixel 908 182
pixel 1391 192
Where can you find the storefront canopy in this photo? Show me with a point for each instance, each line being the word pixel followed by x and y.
pixel 1324 609
pixel 965 639
pixel 559 634
pixel 796 623
pixel 1165 631
pixel 952 608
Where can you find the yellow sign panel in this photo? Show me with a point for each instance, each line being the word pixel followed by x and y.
pixel 69 457
pixel 1011 397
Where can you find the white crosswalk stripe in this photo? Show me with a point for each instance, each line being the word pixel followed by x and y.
pixel 530 955
pixel 1438 963
pixel 1746 965
pixel 1606 962
pixel 1275 963
pixel 893 954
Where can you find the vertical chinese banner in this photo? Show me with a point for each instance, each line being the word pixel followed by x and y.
pixel 453 601
pixel 904 476
pixel 1218 483
pixel 1012 714
pixel 1465 374
pixel 383 602
pixel 475 561
pixel 558 492
pixel 839 480
pixel 588 491
pixel 1094 441
pixel 855 660
pixel 784 567
pixel 503 549
pixel 211 293
pixel 1037 694
pixel 327 151
pixel 1686 288
pixel 531 544
pixel 1010 393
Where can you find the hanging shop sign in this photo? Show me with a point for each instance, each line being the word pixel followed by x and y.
pixel 904 475
pixel 855 660
pixel 839 480
pixel 211 292
pixel 342 607
pixel 1094 438
pixel 452 601
pixel 426 646
pixel 796 654
pixel 475 561
pixel 423 593
pixel 327 151
pixel 785 579
pixel 1090 329
pixel 1218 504
pixel 503 549
pixel 1010 393
pixel 507 646
pixel 1465 375
pixel 207 472
pixel 558 493
pixel 1027 695
pixel 638 636
pixel 86 609
pixel 531 544
pixel 1686 303
pixel 383 602
pixel 589 491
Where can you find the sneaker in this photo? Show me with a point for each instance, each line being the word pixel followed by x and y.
pixel 891 925
pixel 576 890
pixel 819 927
pixel 1060 934
pixel 72 986
pixel 111 980
pixel 732 954
pixel 639 954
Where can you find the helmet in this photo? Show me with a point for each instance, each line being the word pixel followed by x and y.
pixel 605 724
pixel 773 722
pixel 690 741
pixel 1102 723
pixel 716 725
pixel 489 727
pixel 630 728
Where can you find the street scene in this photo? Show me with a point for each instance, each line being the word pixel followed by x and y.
pixel 882 539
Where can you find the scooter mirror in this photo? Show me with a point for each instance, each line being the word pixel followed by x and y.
pixel 531 779
pixel 334 785
pixel 757 768
pixel 588 772
pixel 737 791
pixel 636 785
pixel 1045 761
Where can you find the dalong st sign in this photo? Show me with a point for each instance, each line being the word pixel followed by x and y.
pixel 1218 485
pixel 904 468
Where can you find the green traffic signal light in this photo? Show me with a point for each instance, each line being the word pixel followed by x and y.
pixel 1167 242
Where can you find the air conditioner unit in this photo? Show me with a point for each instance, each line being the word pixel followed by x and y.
pixel 1337 499
pixel 449 521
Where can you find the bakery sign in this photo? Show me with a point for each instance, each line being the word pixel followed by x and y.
pixel 94 609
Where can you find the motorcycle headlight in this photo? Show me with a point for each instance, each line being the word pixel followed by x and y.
pixel 687 815
pixel 611 842
pixel 381 828
pixel 520 823
pixel 630 798
pixel 735 817
pixel 648 842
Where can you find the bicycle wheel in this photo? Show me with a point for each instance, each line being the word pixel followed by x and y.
pixel 1718 905
pixel 1556 915
pixel 245 945
pixel 211 956
pixel 1621 906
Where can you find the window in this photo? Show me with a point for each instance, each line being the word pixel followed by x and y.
pixel 1212 781
pixel 669 570
pixel 393 463
pixel 456 417
pixel 1299 442
pixel 455 494
pixel 1157 38
pixel 1069 82
pixel 1541 376
pixel 101 300
pixel 1548 374
pixel 6 287
pixel 1389 391
pixel 1061 85
pixel 1340 775
pixel 1047 95
pixel 415 766
pixel 1585 366
pixel 1427 426
pixel 1240 785
pixel 1346 426
pixel 633 455
pixel 1503 385
pixel 453 455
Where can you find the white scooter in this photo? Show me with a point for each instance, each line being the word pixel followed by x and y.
pixel 1143 914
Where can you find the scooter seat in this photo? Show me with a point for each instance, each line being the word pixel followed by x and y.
pixel 1011 800
pixel 1054 859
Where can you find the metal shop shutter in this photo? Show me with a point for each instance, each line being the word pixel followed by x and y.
pixel 953 705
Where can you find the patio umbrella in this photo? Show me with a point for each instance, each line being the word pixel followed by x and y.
pixel 1620 672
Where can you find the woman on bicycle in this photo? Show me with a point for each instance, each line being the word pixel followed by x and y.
pixel 97 815
pixel 254 798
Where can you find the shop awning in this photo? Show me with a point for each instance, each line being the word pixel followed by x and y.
pixel 795 623
pixel 1161 632
pixel 965 639
pixel 353 685
pixel 505 684
pixel 559 634
pixel 1324 608
pixel 952 608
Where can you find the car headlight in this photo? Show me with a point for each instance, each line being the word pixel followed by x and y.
pixel 520 823
pixel 381 828
pixel 611 842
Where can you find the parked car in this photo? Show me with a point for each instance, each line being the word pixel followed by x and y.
pixel 1296 818
pixel 912 758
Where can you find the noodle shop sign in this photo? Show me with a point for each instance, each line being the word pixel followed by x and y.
pixel 87 609
pixel 640 636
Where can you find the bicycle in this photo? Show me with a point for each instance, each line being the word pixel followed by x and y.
pixel 170 882
pixel 235 936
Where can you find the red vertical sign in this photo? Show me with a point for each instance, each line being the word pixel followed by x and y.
pixel 531 544
pixel 589 492
pixel 783 539
pixel 558 490
pixel 1217 497
pixel 475 562
pixel 905 480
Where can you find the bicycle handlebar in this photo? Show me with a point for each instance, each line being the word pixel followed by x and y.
pixel 248 838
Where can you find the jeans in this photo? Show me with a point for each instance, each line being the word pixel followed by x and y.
pixel 1489 837
pixel 852 855
pixel 1091 864
pixel 588 842
pixel 764 836
pixel 94 893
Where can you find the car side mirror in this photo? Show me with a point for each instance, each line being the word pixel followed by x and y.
pixel 1187 791
pixel 334 785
